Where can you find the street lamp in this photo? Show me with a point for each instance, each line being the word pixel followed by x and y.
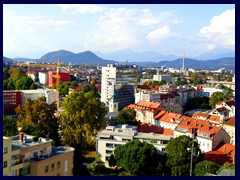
pixel 191 164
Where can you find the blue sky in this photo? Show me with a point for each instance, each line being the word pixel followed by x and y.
pixel 33 30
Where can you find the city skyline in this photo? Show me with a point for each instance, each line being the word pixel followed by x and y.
pixel 33 30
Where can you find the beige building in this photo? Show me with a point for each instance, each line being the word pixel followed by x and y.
pixel 114 136
pixel 24 155
pixel 145 111
pixel 229 127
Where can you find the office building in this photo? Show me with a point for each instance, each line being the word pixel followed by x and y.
pixel 25 155
pixel 121 80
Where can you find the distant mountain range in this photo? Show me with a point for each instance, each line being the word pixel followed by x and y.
pixel 88 57
pixel 135 56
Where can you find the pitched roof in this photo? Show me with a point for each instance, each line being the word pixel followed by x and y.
pixel 197 114
pixel 230 122
pixel 160 114
pixel 147 128
pixel 223 153
pixel 170 117
pixel 148 104
pixel 230 103
pixel 214 118
pixel 200 125
pixel 221 109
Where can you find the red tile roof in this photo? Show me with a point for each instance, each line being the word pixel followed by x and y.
pixel 201 125
pixel 147 128
pixel 146 104
pixel 170 117
pixel 196 114
pixel 160 114
pixel 222 109
pixel 214 118
pixel 223 153
pixel 230 122
pixel 230 103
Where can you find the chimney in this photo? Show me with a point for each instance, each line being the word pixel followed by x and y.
pixel 21 137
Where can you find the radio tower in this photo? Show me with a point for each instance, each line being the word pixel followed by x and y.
pixel 183 68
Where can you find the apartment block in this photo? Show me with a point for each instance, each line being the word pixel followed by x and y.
pixel 114 136
pixel 119 79
pixel 25 155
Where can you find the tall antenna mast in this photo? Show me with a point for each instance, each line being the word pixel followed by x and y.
pixel 183 68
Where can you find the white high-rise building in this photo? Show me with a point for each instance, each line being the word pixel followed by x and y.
pixel 118 81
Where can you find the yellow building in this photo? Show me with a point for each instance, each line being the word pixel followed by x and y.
pixel 24 155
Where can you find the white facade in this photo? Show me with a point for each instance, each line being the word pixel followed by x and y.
pixel 43 77
pixel 149 97
pixel 114 136
pixel 161 78
pixel 31 94
pixel 207 91
pixel 35 94
pixel 108 72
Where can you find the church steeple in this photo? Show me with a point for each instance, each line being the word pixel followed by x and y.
pixel 113 102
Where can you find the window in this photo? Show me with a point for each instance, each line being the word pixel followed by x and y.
pixel 58 164
pixel 46 169
pixel 5 150
pixel 4 164
pixel 52 167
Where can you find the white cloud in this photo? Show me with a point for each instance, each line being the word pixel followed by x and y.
pixel 22 34
pixel 81 8
pixel 221 30
pixel 148 21
pixel 159 34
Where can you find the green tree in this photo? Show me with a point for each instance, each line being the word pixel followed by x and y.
pixel 137 158
pixel 126 116
pixel 23 83
pixel 33 86
pixel 216 97
pixel 37 117
pixel 97 167
pixel 197 102
pixel 226 165
pixel 82 117
pixel 10 127
pixel 179 155
pixel 204 167
pixel 228 94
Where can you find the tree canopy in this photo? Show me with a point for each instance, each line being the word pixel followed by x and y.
pixel 197 102
pixel 36 117
pixel 126 116
pixel 179 155
pixel 137 158
pixel 10 127
pixel 216 97
pixel 204 167
pixel 82 117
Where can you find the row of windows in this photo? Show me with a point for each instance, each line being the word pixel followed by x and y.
pixel 52 167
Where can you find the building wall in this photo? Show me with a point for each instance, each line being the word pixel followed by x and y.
pixel 43 78
pixel 56 166
pixel 231 131
pixel 31 94
pixel 107 72
pixel 64 77
pixel 11 100
pixel 7 146
pixel 60 164
pixel 207 91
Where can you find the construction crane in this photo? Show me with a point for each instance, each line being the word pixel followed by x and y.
pixel 56 79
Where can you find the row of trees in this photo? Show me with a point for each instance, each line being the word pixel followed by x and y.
pixel 81 119
pixel 141 158
pixel 208 103
pixel 16 79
